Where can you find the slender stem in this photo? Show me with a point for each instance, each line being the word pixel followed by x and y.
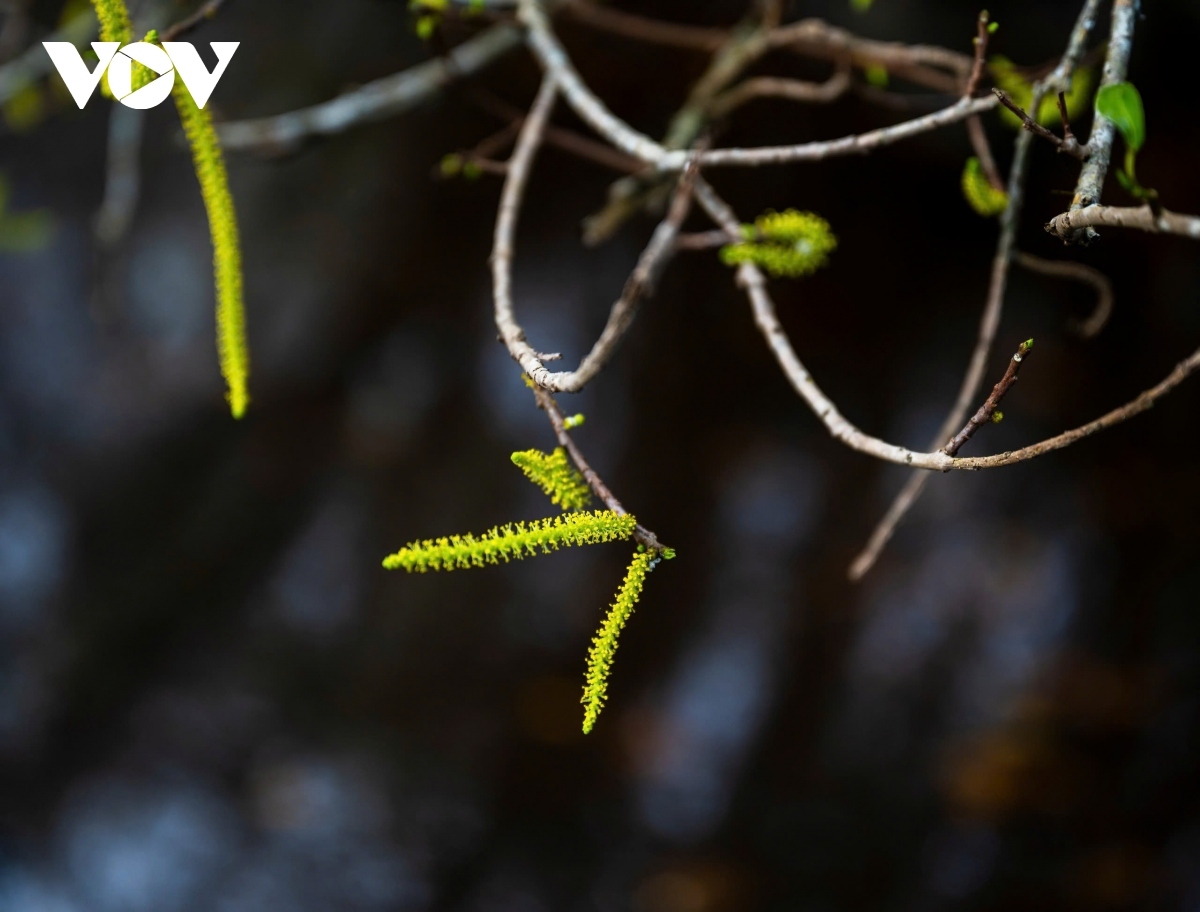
pixel 1077 272
pixel 988 411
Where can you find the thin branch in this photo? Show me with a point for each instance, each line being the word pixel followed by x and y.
pixel 203 14
pixel 651 31
pixel 983 150
pixel 981 43
pixel 926 65
pixel 374 101
pixel 1091 177
pixel 640 282
pixel 989 321
pixel 554 59
pixel 592 150
pixel 752 281
pixel 1142 403
pixel 1068 133
pixel 705 240
pixel 1067 144
pixel 989 411
pixel 631 196
pixel 1078 272
pixel 1067 225
pixel 546 403
pixel 773 87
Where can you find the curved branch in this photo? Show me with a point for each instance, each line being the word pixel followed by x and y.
pixel 641 281
pixel 791 89
pixel 989 322
pixel 1146 400
pixel 1078 272
pixel 553 58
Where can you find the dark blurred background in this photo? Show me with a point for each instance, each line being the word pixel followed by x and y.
pixel 213 698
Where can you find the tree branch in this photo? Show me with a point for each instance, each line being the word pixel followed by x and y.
pixel 641 281
pixel 1067 144
pixel 1091 177
pixel 377 100
pixel 1068 225
pixel 1079 272
pixel 203 14
pixel 639 28
pixel 554 59
pixel 988 412
pixel 641 534
pixel 989 322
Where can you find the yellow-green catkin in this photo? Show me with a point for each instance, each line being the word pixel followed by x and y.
pixel 114 26
pixel 979 192
pixel 554 474
pixel 604 644
pixel 788 244
pixel 514 541
pixel 114 20
pixel 232 349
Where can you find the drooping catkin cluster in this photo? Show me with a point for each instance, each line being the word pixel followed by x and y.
pixel 232 349
pixel 604 644
pixel 788 244
pixel 114 20
pixel 514 541
pixel 554 474
pixel 979 192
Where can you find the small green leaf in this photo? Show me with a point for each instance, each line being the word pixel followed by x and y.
pixel 992 27
pixel 861 6
pixel 876 76
pixel 1122 104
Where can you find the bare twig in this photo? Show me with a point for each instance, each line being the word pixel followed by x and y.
pixel 983 150
pixel 754 284
pixel 1067 144
pixel 1146 400
pixel 1091 177
pixel 925 65
pixel 554 59
pixel 641 534
pixel 1068 133
pixel 640 282
pixel 376 100
pixel 989 322
pixel 988 412
pixel 981 43
pixel 1067 225
pixel 1078 272
pixel 773 87
pixel 640 28
pixel 203 14
pixel 705 240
